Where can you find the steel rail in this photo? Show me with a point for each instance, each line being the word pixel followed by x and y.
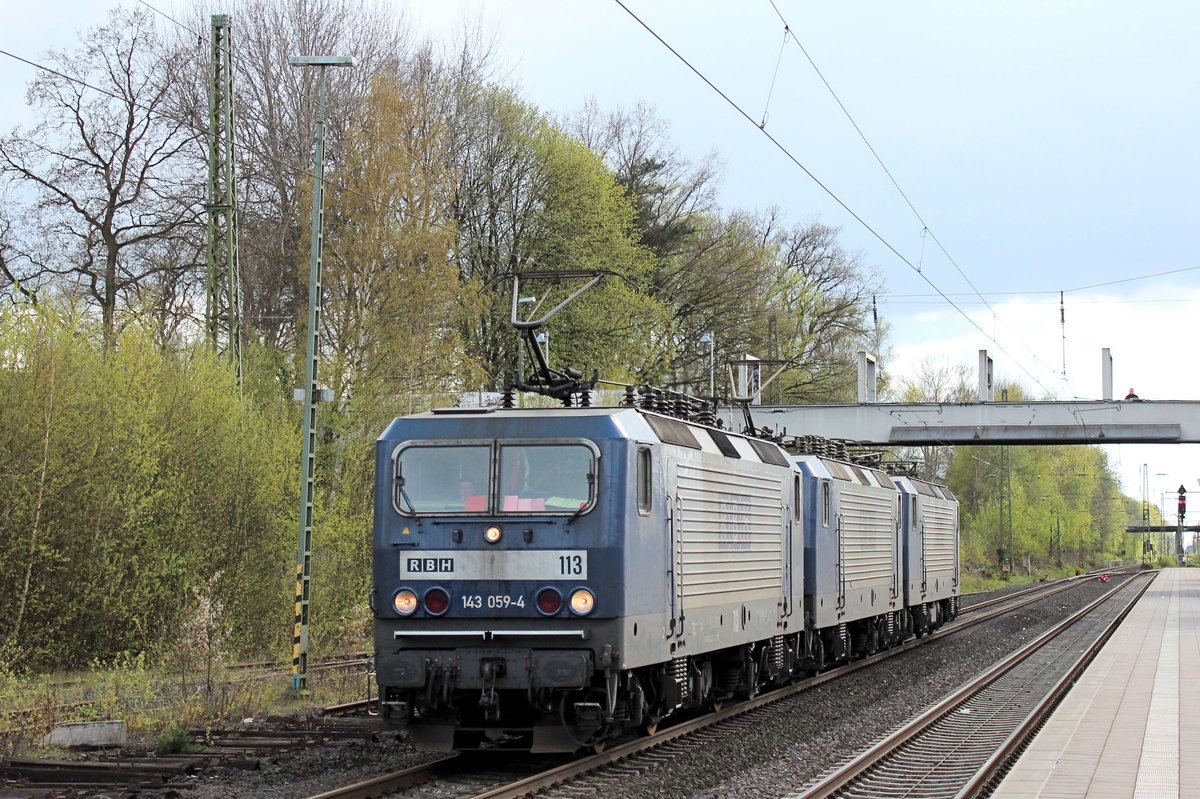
pixel 390 783
pixel 401 780
pixel 843 777
pixel 1063 582
pixel 1046 589
pixel 1013 744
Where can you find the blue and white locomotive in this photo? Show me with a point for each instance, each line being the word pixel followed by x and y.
pixel 549 579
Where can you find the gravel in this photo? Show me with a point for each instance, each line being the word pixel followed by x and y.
pixel 817 731
pixel 312 770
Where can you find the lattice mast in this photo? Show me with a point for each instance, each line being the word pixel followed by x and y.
pixel 223 311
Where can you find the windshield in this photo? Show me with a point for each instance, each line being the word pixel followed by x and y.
pixel 443 479
pixel 435 479
pixel 545 477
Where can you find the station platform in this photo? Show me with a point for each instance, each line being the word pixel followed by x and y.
pixel 1123 729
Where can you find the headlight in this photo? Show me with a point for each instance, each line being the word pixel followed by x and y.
pixel 582 601
pixel 405 602
pixel 491 535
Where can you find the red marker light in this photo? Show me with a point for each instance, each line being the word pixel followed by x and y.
pixel 549 601
pixel 437 601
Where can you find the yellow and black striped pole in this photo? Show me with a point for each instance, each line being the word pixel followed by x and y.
pixel 300 632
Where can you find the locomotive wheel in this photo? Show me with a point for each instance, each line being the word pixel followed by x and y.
pixel 600 747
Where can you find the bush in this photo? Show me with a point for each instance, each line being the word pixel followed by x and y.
pixel 128 477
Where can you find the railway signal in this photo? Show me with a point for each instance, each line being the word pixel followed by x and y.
pixel 1182 503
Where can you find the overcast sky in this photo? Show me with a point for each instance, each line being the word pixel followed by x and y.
pixel 1047 146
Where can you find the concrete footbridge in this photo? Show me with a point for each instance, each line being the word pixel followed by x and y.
pixel 929 424
pixel 1104 421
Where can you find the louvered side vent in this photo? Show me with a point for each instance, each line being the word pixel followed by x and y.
pixel 867 535
pixel 940 537
pixel 730 531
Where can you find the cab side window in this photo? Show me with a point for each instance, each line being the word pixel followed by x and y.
pixel 644 476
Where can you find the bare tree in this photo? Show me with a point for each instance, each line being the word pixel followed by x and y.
pixel 936 380
pixel 276 109
pixel 101 170
pixel 821 295
pixel 671 193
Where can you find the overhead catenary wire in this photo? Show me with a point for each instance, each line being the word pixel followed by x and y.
pixel 925 230
pixel 891 298
pixel 333 184
pixel 350 123
pixel 787 34
pixel 829 192
pixel 299 171
pixel 771 90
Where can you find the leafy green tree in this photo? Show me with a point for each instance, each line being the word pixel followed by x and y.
pixel 671 194
pixel 392 295
pixel 744 283
pixel 1067 510
pixel 531 197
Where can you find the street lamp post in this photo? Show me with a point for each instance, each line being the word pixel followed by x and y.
pixel 308 455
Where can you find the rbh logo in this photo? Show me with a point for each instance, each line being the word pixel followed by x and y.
pixel 430 565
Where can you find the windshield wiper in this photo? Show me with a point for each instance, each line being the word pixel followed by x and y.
pixel 591 480
pixel 404 496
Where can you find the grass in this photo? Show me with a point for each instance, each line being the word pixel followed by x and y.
pixel 157 702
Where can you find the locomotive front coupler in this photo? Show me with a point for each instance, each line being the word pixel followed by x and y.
pixel 611 687
pixel 490 669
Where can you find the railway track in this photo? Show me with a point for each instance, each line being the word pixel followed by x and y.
pixel 595 764
pixel 957 747
pixel 50 713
